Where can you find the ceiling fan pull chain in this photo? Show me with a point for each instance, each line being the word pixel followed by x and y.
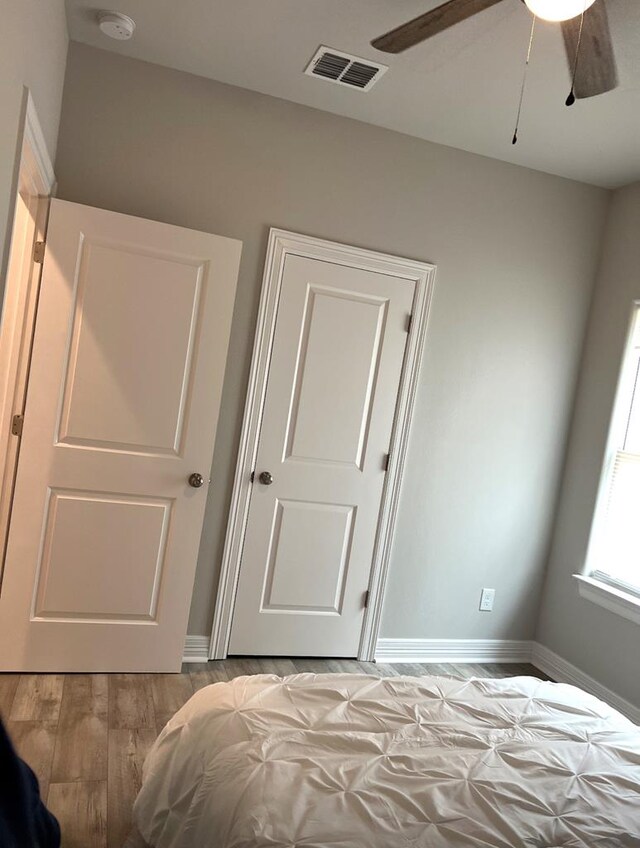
pixel 514 140
pixel 571 99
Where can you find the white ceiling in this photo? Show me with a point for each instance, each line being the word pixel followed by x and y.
pixel 460 88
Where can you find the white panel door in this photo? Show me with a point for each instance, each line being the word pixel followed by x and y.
pixel 327 419
pixel 126 377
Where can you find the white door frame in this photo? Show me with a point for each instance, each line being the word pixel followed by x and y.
pixel 283 243
pixel 35 182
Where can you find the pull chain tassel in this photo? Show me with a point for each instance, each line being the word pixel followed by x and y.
pixel 514 140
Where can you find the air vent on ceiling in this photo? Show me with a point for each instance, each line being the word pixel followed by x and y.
pixel 335 66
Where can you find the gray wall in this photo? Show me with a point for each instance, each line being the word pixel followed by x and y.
pixel 596 640
pixel 33 51
pixel 516 252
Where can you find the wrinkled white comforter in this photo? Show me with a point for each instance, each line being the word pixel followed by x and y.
pixel 350 760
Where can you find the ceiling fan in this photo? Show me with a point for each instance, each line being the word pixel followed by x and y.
pixel 595 71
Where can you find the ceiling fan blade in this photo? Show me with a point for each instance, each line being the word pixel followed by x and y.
pixel 596 71
pixel 431 23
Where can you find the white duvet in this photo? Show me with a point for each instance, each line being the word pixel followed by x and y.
pixel 350 760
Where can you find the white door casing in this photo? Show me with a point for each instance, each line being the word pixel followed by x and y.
pixel 282 244
pixel 126 378
pixel 337 379
pixel 31 208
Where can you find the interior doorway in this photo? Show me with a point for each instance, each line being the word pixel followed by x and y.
pixel 339 341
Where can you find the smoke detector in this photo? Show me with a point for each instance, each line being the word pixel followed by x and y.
pixel 116 25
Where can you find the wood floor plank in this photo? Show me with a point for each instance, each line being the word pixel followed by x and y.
pixel 218 670
pixel 205 674
pixel 81 809
pixel 241 666
pixel 351 666
pixel 234 668
pixel 35 741
pixel 130 702
pixel 371 669
pixel 127 752
pixel 200 679
pixel 170 692
pixel 343 666
pixel 441 670
pixel 38 697
pixel 85 693
pixel 383 670
pixel 434 669
pixel 409 669
pixel 532 671
pixel 473 670
pixel 188 668
pixel 313 665
pixel 8 686
pixel 81 749
pixel 81 744
pixel 498 671
pixel 458 670
pixel 277 665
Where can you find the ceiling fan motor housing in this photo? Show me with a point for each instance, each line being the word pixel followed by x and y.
pixel 558 10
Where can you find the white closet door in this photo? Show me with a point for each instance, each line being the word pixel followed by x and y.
pixel 126 377
pixel 327 420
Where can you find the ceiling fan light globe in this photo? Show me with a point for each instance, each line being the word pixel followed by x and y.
pixel 558 10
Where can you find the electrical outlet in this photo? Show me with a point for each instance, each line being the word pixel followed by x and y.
pixel 486 600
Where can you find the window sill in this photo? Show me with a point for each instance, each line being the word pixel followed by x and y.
pixel 628 606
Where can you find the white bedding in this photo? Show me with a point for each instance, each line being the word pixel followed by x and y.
pixel 350 760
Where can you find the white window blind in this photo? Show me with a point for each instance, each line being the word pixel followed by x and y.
pixel 617 559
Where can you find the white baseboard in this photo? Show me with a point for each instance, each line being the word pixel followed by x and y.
pixel 453 650
pixel 196 649
pixel 564 672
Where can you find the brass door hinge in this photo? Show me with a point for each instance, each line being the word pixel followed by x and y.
pixel 365 600
pixel 16 424
pixel 38 252
pixel 408 325
pixel 385 461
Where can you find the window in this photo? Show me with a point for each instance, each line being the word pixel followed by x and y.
pixel 614 556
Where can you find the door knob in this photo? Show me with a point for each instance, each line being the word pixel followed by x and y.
pixel 196 480
pixel 265 478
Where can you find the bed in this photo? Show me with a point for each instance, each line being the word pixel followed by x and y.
pixel 346 761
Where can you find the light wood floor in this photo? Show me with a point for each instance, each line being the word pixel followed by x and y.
pixel 86 735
